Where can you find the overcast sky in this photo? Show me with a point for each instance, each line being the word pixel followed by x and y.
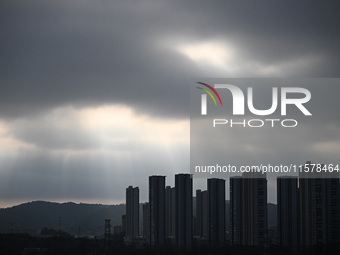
pixel 94 94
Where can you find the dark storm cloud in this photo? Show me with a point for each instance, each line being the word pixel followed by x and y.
pixel 55 55
pixel 274 31
pixel 94 52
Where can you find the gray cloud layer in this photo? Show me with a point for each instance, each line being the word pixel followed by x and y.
pixel 82 52
pixel 78 54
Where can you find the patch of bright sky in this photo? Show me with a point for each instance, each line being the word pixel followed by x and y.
pixel 224 59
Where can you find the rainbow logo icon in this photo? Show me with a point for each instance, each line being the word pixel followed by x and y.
pixel 209 93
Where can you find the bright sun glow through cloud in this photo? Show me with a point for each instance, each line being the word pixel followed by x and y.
pixel 99 128
pixel 212 53
pixel 220 58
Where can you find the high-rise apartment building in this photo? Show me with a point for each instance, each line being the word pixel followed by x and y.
pixel 202 213
pixel 170 211
pixel 216 211
pixel 248 209
pixel 157 210
pixel 319 206
pixel 132 212
pixel 235 210
pixel 146 221
pixel 183 201
pixel 287 211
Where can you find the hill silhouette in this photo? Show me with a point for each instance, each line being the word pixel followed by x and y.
pixel 75 219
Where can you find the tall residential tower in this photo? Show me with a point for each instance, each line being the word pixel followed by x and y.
pixel 132 212
pixel 248 209
pixel 216 213
pixel 157 210
pixel 183 200
pixel 287 211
